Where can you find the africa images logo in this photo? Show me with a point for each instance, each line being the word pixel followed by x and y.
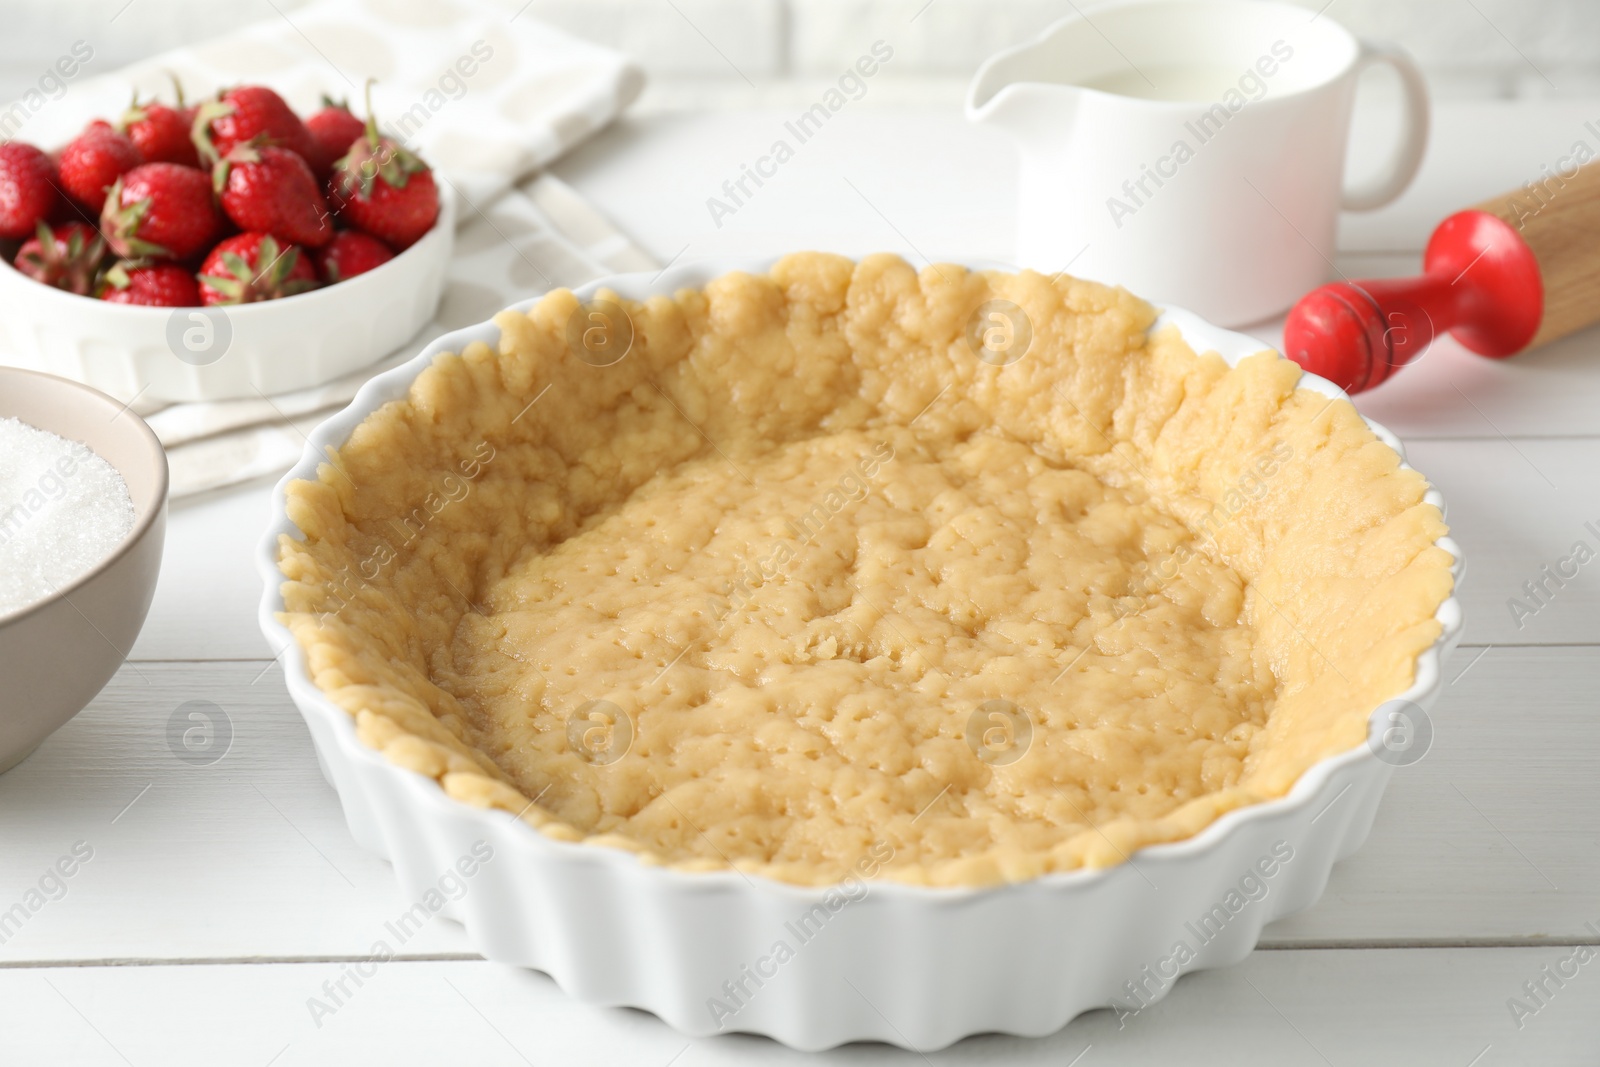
pixel 1250 87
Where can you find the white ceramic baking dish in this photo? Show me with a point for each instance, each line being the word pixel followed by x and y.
pixel 227 353
pixel 913 966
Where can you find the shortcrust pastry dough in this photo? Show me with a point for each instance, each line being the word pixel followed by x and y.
pixel 841 588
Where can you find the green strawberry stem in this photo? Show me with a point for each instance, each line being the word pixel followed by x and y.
pixel 377 157
pixel 200 132
pixel 125 220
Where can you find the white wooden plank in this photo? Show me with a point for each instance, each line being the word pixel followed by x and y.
pixel 1391 1007
pixel 1495 834
pixel 243 857
pixel 1517 506
pixel 205 600
pixel 1451 392
pixel 250 857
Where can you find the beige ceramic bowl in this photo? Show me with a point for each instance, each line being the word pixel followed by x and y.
pixel 57 653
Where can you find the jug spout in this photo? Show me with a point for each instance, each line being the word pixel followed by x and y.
pixel 1008 92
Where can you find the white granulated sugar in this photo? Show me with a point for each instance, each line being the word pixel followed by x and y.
pixel 63 509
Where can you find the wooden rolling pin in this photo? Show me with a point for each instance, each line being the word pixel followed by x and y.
pixel 1509 274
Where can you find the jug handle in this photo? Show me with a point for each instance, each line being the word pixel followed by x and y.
pixel 1407 158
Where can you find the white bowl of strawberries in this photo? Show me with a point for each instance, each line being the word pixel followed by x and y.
pixel 217 252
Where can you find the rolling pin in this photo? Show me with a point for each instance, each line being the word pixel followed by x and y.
pixel 1509 274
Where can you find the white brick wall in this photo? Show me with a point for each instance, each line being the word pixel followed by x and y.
pixel 928 36
pixel 1472 47
pixel 34 32
pixel 1500 48
pixel 1508 34
pixel 721 38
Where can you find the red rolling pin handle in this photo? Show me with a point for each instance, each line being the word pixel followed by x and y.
pixel 1481 282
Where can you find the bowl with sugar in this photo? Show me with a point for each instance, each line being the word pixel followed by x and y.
pixel 83 504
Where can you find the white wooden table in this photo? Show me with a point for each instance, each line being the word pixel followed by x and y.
pixel 220 897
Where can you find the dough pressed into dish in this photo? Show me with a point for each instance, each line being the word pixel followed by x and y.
pixel 824 577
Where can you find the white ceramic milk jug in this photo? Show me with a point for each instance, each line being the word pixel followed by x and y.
pixel 1192 150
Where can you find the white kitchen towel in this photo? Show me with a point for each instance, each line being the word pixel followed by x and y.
pixel 486 95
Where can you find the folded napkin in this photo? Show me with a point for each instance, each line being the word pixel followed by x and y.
pixel 487 97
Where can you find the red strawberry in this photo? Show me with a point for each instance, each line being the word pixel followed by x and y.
pixel 272 190
pixel 28 184
pixel 161 133
pixel 335 130
pixel 67 257
pixel 161 209
pixel 92 161
pixel 164 285
pixel 350 253
pixel 385 190
pixel 243 114
pixel 253 266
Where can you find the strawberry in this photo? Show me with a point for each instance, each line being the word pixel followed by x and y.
pixel 161 209
pixel 334 129
pixel 93 160
pixel 66 257
pixel 164 285
pixel 243 114
pixel 253 266
pixel 272 190
pixel 160 133
pixel 351 252
pixel 385 190
pixel 28 189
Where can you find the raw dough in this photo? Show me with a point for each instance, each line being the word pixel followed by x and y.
pixel 810 576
